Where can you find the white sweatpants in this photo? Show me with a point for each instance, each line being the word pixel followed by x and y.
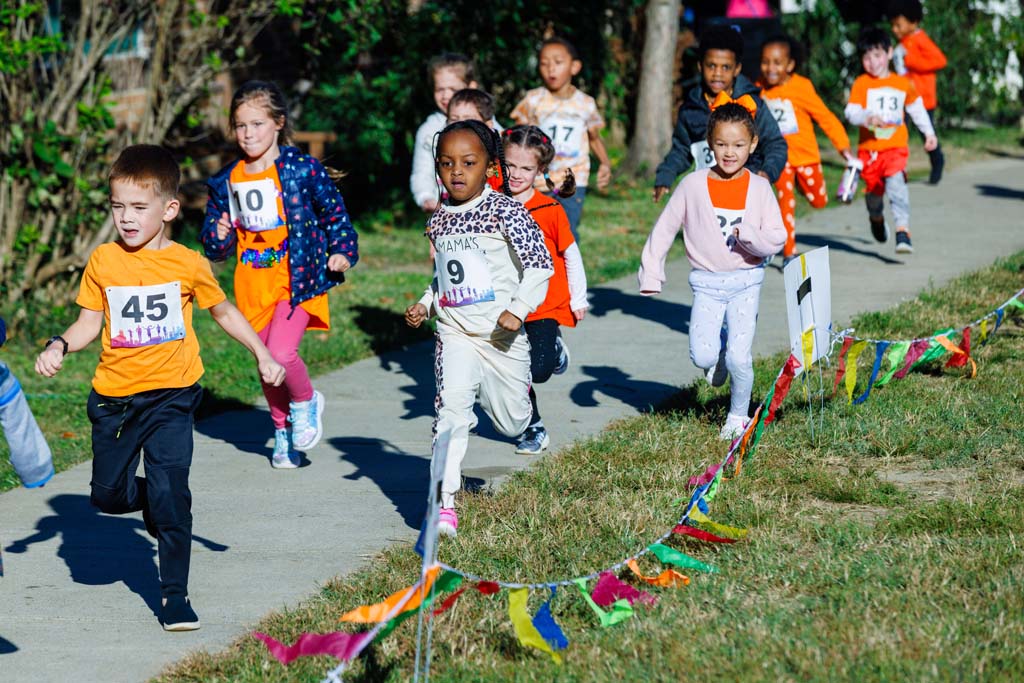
pixel 733 296
pixel 465 366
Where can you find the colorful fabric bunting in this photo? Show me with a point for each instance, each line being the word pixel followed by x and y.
pixel 668 578
pixel 620 609
pixel 851 364
pixel 847 343
pixel 707 477
pixel 446 582
pixel 548 627
pixel 700 534
pixel 935 349
pixel 610 588
pixel 782 385
pixel 713 488
pixel 984 330
pixel 372 614
pixel 917 350
pixel 880 348
pixel 1016 303
pixel 341 645
pixel 897 354
pixel 958 360
pixel 488 587
pixel 957 351
pixel 758 420
pixel 672 556
pixel 999 320
pixel 719 529
pixel 527 633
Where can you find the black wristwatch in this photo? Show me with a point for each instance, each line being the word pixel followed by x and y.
pixel 57 338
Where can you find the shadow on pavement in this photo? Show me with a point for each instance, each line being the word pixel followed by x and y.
pixel 387 330
pixel 641 395
pixel 1000 192
pixel 247 429
pixel 416 363
pixel 674 316
pixel 102 549
pixel 7 647
pixel 843 245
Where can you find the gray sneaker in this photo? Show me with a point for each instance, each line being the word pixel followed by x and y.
pixel 563 356
pixel 533 441
pixel 903 245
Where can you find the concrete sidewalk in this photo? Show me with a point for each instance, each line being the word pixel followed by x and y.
pixel 79 597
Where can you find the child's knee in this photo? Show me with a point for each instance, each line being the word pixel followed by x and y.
pixel 108 500
pixel 704 356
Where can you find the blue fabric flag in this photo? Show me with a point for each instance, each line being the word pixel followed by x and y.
pixel 879 353
pixel 547 628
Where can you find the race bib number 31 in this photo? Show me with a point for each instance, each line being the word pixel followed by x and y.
pixel 253 205
pixel 702 154
pixel 463 278
pixel 145 315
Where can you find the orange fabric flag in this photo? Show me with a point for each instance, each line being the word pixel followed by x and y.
pixel 373 614
pixel 669 578
pixel 957 351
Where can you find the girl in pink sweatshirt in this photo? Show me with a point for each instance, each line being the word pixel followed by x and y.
pixel 731 223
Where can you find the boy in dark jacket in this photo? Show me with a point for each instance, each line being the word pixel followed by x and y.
pixel 721 54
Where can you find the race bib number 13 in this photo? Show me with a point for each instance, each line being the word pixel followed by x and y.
pixel 253 205
pixel 463 278
pixel 702 154
pixel 145 315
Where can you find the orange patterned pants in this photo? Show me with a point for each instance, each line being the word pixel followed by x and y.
pixel 812 185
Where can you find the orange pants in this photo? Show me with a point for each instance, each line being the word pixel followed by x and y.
pixel 812 185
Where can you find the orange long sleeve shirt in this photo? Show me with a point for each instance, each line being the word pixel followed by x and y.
pixel 922 60
pixel 797 107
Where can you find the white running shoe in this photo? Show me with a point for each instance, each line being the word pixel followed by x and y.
pixel 282 457
pixel 307 422
pixel 734 426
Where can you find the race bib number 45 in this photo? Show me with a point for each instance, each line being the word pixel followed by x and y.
pixel 463 278
pixel 145 315
pixel 253 205
pixel 784 115
pixel 702 154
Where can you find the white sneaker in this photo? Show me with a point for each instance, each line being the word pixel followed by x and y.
pixel 734 426
pixel 282 457
pixel 307 422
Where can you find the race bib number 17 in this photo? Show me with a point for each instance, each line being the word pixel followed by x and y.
pixel 566 135
pixel 145 315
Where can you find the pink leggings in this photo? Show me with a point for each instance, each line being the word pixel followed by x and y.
pixel 282 337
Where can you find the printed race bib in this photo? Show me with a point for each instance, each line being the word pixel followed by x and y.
pixel 702 154
pixel 253 205
pixel 145 315
pixel 463 278
pixel 784 115
pixel 566 135
pixel 728 219
pixel 886 103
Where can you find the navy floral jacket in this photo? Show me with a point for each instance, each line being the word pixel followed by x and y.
pixel 318 224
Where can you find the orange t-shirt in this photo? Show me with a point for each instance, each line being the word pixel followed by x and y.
pixel 554 225
pixel 729 199
pixel 795 104
pixel 146 297
pixel 922 59
pixel 888 98
pixel 262 278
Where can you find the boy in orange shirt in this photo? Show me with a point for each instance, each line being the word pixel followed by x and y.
pixel 796 106
pixel 878 99
pixel 918 58
pixel 140 292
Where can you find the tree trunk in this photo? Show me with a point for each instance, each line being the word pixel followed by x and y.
pixel 652 135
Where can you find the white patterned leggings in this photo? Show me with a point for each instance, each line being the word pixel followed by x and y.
pixel 734 297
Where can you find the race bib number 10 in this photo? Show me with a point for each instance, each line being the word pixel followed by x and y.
pixel 253 205
pixel 463 278
pixel 702 154
pixel 145 315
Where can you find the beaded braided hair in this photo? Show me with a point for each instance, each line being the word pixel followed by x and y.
pixel 488 138
pixel 535 139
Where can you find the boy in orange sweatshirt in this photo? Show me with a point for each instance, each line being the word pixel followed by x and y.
pixel 918 58
pixel 796 106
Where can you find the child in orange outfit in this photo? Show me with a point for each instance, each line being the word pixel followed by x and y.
pixel 918 58
pixel 796 106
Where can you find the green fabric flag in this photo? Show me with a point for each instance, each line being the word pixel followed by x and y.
pixel 1016 303
pixel 446 582
pixel 672 556
pixel 756 438
pixel 897 354
pixel 935 349
pixel 621 609
pixel 709 495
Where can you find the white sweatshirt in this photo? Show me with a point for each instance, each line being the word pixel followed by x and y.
pixel 491 257
pixel 423 180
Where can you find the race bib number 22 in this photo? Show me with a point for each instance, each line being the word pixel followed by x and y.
pixel 145 315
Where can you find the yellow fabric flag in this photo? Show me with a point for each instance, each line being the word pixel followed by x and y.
pixel 527 633
pixel 720 529
pixel 984 330
pixel 851 368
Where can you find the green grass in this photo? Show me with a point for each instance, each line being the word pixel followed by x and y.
pixel 884 547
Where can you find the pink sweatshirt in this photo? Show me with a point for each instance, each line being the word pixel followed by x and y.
pixel 761 234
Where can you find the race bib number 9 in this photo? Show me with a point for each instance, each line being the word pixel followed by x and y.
pixel 702 154
pixel 566 135
pixel 253 205
pixel 887 104
pixel 784 115
pixel 463 278
pixel 145 315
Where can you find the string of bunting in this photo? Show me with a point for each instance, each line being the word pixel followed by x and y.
pixel 611 599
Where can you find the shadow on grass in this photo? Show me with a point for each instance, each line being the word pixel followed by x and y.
pixel 100 550
pixel 676 317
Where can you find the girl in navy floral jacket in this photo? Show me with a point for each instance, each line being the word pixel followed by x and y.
pixel 280 212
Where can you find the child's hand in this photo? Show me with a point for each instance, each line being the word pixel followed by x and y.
pixel 224 226
pixel 49 362
pixel 579 314
pixel 338 263
pixel 874 121
pixel 846 154
pixel 415 315
pixel 930 143
pixel 271 372
pixel 659 192
pixel 604 176
pixel 509 322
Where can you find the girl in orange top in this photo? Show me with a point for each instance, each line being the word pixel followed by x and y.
pixel 528 152
pixel 796 106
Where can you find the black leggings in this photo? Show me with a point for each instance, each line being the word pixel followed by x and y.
pixel 543 356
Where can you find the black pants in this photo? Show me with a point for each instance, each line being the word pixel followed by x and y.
pixel 159 424
pixel 935 157
pixel 543 356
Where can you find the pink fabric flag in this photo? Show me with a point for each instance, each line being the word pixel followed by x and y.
pixel 705 478
pixel 339 644
pixel 609 589
pixel 917 350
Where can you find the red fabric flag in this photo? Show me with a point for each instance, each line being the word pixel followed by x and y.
pixel 841 372
pixel 700 534
pixel 782 385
